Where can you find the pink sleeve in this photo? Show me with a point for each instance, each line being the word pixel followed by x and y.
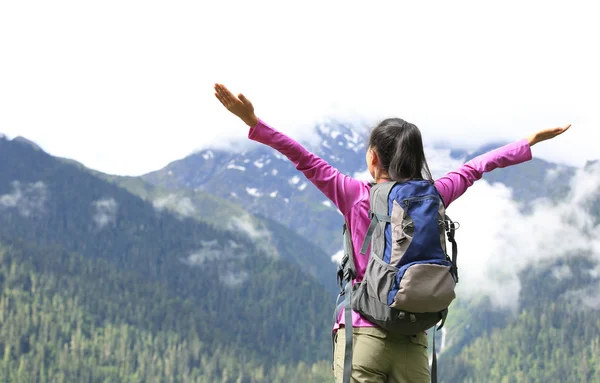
pixel 454 184
pixel 342 190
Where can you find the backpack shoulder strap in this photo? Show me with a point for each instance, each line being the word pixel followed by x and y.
pixel 346 274
pixel 379 211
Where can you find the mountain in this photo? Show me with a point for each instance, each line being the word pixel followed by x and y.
pixel 264 183
pixel 94 275
pixel 267 234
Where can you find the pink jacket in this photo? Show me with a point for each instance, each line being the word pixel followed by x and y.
pixel 351 196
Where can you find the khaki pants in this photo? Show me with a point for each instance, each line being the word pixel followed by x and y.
pixel 380 357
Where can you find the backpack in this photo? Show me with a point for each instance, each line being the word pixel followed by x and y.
pixel 410 279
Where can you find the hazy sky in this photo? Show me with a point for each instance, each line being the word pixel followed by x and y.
pixel 126 86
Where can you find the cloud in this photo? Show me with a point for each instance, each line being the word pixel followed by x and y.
pixel 210 251
pixel 496 241
pixel 215 251
pixel 222 256
pixel 562 272
pixel 440 162
pixel 255 230
pixel 452 68
pixel 337 257
pixel 249 227
pixel 233 278
pixel 106 212
pixel 180 205
pixel 27 199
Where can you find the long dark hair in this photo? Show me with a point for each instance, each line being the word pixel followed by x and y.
pixel 399 147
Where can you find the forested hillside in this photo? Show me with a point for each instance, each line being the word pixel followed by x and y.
pixel 82 253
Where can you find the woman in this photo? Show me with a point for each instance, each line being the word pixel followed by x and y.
pixel 396 153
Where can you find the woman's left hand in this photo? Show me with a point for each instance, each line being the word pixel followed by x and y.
pixel 546 134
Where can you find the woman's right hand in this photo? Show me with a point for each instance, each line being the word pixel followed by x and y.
pixel 240 105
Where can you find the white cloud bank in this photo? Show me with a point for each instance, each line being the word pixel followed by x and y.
pixel 496 241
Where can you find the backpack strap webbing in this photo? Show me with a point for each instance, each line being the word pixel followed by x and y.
pixel 451 227
pixel 379 196
pixel 345 276
pixel 376 218
pixel 349 328
pixel 434 356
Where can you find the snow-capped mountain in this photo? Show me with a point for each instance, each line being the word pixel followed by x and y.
pixel 265 183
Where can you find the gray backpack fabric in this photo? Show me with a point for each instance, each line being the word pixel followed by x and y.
pixel 410 279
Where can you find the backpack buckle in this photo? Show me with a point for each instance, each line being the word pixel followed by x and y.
pixel 451 225
pixel 340 276
pixel 345 259
pixel 349 275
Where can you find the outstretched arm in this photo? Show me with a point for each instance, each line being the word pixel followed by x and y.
pixel 341 189
pixel 454 184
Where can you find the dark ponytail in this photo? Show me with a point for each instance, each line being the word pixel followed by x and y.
pixel 399 147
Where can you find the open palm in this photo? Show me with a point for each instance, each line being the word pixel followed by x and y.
pixel 547 134
pixel 240 105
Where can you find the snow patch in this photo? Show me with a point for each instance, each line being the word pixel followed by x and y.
pixel 354 138
pixel 233 166
pixel 253 192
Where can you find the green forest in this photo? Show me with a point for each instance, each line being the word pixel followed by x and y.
pixel 96 323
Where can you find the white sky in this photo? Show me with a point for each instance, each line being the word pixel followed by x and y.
pixel 126 86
